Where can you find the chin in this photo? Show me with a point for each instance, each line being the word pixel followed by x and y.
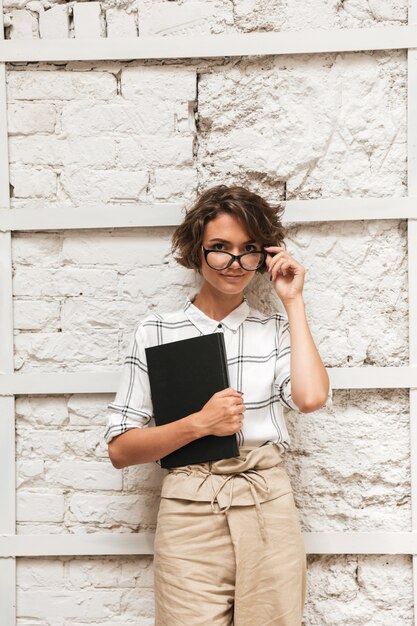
pixel 230 287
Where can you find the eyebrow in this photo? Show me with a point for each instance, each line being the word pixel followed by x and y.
pixel 225 240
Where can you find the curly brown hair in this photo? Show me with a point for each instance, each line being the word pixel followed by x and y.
pixel 262 221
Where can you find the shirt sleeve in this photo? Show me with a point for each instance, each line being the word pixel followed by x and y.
pixel 283 367
pixel 132 406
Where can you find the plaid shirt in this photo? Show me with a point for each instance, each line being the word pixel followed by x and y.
pixel 258 357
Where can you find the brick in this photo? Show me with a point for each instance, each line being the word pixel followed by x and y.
pixel 84 410
pixel 39 443
pixel 83 604
pixel 77 350
pixel 124 509
pixel 88 443
pixel 99 151
pixel 129 604
pixel 65 282
pixel 120 24
pixel 35 315
pixel 147 476
pixel 42 411
pixel 37 573
pixel 140 250
pixel 90 314
pixel 27 470
pixel 148 281
pixel 154 115
pixel 54 22
pixel 26 118
pixel 60 85
pixel 87 23
pixel 29 183
pixel 154 84
pixel 40 249
pixel 40 507
pixel 147 151
pixel 170 183
pixel 376 576
pixel 89 186
pixel 188 18
pixel 24 24
pixel 118 572
pixel 83 475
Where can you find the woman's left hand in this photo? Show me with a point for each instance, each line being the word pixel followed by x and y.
pixel 287 274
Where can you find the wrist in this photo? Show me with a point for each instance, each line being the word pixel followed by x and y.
pixel 294 303
pixel 195 425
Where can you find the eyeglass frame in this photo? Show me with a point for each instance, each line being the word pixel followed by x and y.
pixel 234 257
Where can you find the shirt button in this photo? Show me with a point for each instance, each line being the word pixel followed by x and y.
pixel 219 326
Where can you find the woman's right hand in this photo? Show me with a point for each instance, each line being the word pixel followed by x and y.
pixel 222 414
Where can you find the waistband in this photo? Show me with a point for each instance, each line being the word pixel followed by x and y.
pixel 226 481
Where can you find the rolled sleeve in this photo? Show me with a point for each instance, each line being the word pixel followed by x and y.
pixel 132 405
pixel 283 363
pixel 283 368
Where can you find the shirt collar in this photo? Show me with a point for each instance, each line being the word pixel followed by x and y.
pixel 206 324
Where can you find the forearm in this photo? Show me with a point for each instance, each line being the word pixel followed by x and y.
pixel 143 445
pixel 309 378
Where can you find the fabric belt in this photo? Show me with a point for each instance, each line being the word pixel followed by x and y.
pixel 255 476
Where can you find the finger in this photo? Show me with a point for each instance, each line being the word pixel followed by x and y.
pixel 285 267
pixel 277 268
pixel 229 391
pixel 278 258
pixel 286 264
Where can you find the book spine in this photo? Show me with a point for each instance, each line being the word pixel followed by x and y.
pixel 223 359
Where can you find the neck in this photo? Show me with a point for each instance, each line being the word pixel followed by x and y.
pixel 216 304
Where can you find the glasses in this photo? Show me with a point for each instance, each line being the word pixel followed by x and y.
pixel 219 260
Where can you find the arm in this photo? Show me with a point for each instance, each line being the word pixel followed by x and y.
pixel 142 445
pixel 221 415
pixel 310 382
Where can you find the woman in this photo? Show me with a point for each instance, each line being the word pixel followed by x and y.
pixel 228 543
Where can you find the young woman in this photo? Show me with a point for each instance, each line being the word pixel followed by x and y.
pixel 228 543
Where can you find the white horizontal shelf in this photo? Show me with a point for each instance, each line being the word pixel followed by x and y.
pixel 105 216
pixel 143 543
pixel 106 382
pixel 316 40
pixel 70 544
pixel 171 214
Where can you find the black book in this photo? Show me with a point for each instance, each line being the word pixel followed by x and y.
pixel 183 376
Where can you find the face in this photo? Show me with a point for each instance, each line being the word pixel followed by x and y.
pixel 229 228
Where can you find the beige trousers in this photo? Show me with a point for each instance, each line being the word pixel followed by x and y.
pixel 228 544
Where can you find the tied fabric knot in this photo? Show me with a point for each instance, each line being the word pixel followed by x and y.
pixel 252 484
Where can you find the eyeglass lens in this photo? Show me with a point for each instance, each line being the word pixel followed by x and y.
pixel 218 260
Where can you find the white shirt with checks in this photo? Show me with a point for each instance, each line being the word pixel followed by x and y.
pixel 258 357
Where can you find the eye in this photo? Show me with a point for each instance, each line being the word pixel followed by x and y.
pixel 249 245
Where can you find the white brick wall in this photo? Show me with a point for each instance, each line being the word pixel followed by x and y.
pixel 66 482
pixel 152 17
pixel 110 591
pixel 108 132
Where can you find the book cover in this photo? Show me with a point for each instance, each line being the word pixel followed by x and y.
pixel 183 376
